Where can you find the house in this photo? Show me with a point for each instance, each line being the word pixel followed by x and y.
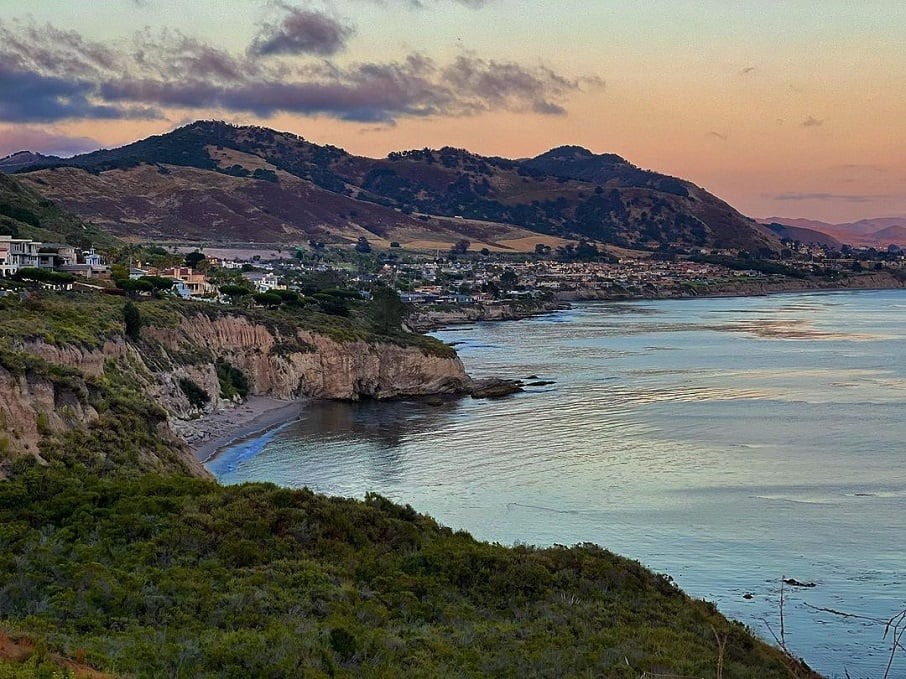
pixel 196 283
pixel 92 259
pixel 91 266
pixel 263 280
pixel 52 255
pixel 17 253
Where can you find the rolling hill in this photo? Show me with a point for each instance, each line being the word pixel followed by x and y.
pixel 804 235
pixel 227 183
pixel 25 213
pixel 877 233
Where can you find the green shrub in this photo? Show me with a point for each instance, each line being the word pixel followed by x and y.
pixel 177 576
pixel 197 396
pixel 233 381
pixel 133 321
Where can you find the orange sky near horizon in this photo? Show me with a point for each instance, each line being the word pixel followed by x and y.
pixel 792 109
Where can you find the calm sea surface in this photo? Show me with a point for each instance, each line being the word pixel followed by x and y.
pixel 727 442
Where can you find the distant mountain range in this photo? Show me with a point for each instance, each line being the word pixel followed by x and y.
pixel 877 233
pixel 22 159
pixel 219 182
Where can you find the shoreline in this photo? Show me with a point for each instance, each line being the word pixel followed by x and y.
pixel 430 322
pixel 212 432
pixel 209 434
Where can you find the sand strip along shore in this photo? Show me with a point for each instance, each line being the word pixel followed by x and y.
pixel 210 433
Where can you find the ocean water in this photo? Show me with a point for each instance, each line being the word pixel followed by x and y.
pixel 728 442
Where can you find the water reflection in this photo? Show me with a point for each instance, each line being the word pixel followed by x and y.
pixel 389 424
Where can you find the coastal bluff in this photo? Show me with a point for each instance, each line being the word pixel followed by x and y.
pixel 304 364
pixel 52 388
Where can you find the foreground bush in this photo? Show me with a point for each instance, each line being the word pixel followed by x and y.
pixel 176 576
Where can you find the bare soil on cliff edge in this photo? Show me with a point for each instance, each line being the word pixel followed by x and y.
pixel 214 431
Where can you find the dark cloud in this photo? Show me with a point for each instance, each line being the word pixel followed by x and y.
pixel 811 121
pixel 302 32
pixel 44 141
pixel 26 96
pixel 824 197
pixel 61 76
pixel 369 92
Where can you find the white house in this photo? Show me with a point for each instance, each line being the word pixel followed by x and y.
pixel 17 253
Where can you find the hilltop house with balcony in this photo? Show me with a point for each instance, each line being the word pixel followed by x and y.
pixel 17 253
pixel 195 283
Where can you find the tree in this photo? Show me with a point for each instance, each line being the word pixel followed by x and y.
pixel 133 321
pixel 492 289
pixel 234 292
pixel 508 280
pixel 387 309
pixel 197 396
pixel 362 245
pixel 158 283
pixel 134 287
pixel 267 299
pixel 193 259
pixel 119 271
pixel 38 276
pixel 460 247
pixel 586 250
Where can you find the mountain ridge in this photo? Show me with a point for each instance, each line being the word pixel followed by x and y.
pixel 568 192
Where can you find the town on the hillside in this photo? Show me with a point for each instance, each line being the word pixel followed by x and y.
pixel 455 277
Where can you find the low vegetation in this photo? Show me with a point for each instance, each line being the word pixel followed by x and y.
pixel 177 576
pixel 90 319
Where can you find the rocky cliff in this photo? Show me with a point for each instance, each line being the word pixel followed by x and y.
pixel 305 364
pixel 50 391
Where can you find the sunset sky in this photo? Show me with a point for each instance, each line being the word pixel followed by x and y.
pixel 788 108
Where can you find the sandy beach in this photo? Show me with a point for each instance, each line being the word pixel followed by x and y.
pixel 210 433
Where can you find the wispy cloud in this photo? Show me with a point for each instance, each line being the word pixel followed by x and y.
pixel 422 4
pixel 862 168
pixel 827 197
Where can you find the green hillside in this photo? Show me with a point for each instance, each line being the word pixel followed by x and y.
pixel 24 213
pixel 177 576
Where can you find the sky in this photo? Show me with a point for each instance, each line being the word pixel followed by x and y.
pixel 781 107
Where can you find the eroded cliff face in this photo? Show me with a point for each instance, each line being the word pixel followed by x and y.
pixel 38 403
pixel 305 364
pixel 33 406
